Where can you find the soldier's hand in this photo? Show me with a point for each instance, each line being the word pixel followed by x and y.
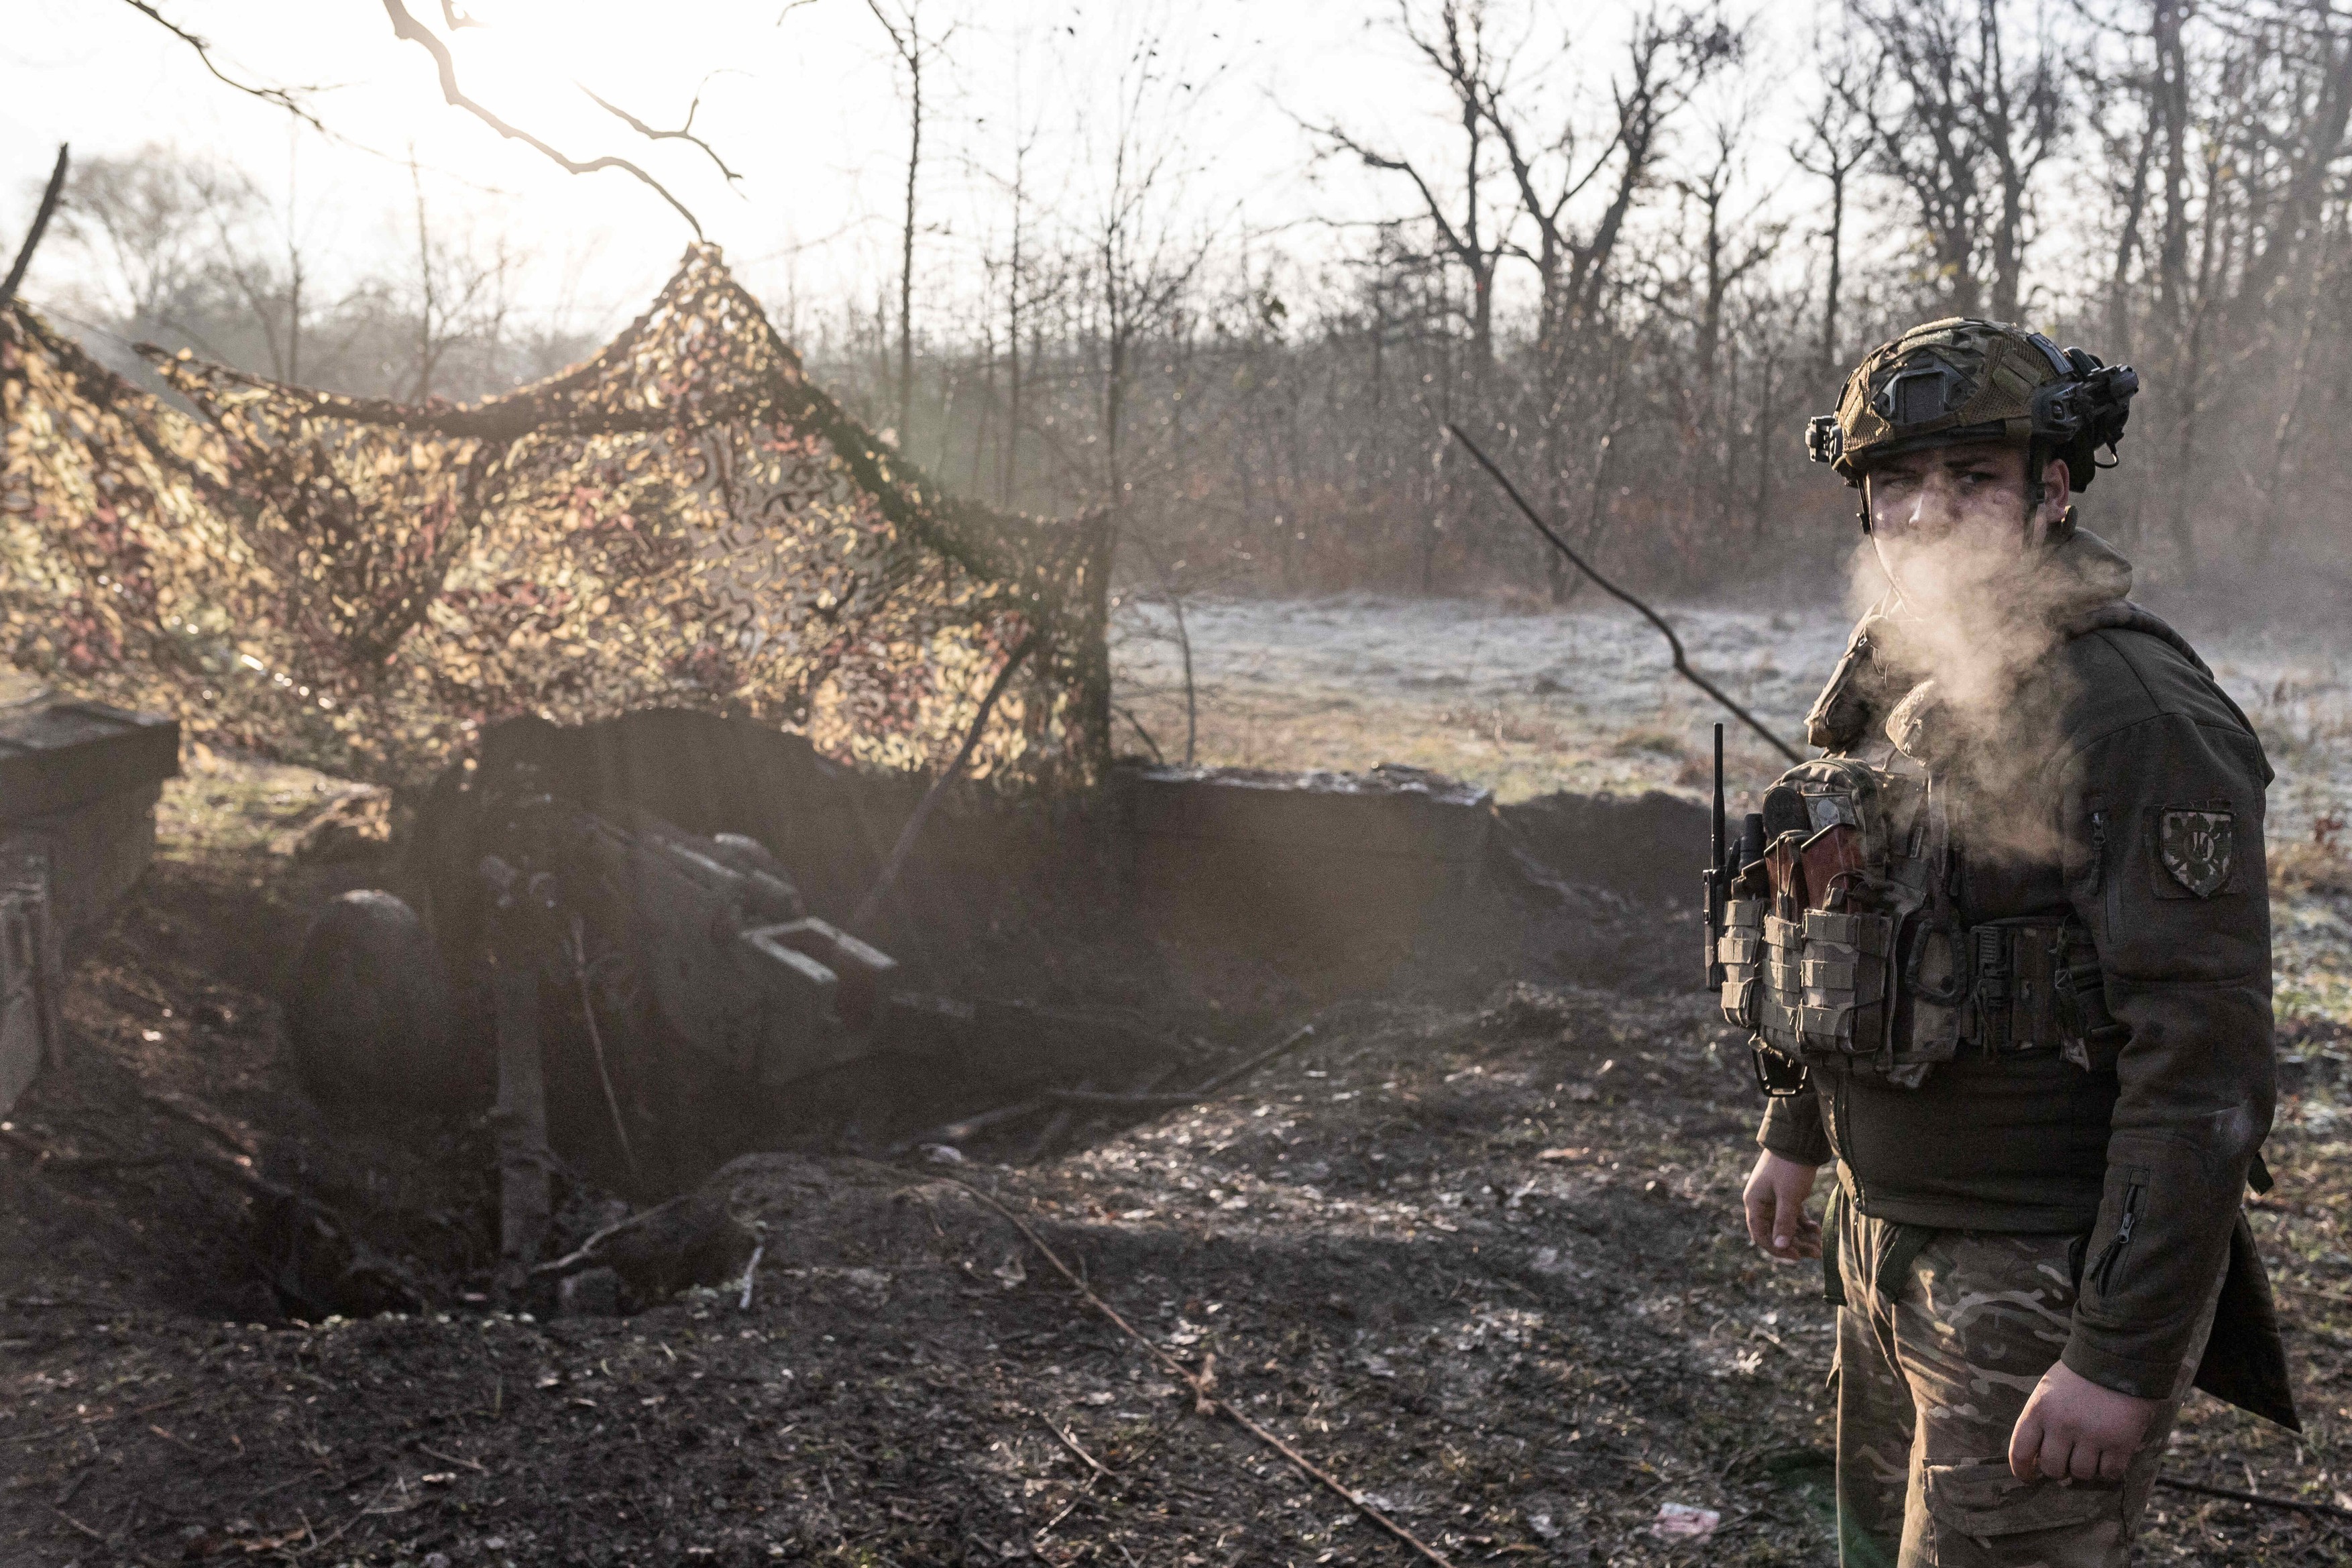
pixel 2072 1426
pixel 1777 1220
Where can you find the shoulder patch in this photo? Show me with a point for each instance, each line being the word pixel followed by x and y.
pixel 2196 845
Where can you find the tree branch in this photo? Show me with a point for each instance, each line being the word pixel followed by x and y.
pixel 40 225
pixel 406 27
pixel 285 98
pixel 1386 164
pixel 683 133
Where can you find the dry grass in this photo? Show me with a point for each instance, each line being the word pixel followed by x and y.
pixel 1659 743
pixel 2320 864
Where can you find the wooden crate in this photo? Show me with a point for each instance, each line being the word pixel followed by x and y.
pixel 79 782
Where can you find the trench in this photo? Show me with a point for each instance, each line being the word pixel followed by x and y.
pixel 1140 940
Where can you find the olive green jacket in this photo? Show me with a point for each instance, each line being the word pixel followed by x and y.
pixel 2119 783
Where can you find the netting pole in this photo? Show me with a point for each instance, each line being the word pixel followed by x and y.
pixel 872 903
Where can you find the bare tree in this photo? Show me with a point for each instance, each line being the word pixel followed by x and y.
pixel 1729 249
pixel 1454 44
pixel 462 296
pixel 906 31
pixel 1965 135
pixel 167 232
pixel 1837 140
pixel 1666 59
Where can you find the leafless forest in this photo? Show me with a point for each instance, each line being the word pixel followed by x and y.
pixel 1637 260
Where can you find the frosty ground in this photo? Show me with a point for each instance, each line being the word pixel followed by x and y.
pixel 1470 1249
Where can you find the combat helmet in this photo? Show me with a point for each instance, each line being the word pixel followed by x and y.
pixel 1961 379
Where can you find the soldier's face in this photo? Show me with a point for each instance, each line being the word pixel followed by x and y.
pixel 1948 521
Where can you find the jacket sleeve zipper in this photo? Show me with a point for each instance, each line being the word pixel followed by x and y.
pixel 2110 885
pixel 2111 1256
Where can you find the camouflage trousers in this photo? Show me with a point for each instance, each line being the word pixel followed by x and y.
pixel 1942 1337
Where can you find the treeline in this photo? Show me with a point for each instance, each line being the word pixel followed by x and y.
pixel 1636 310
pixel 186 250
pixel 1631 265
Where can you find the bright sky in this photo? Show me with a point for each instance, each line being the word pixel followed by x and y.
pixel 806 102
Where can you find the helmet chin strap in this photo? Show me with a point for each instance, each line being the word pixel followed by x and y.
pixel 1893 582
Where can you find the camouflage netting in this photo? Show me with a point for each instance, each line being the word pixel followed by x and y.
pixel 683 520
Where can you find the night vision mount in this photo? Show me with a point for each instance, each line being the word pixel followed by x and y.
pixel 2085 410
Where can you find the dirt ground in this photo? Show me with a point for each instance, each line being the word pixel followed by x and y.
pixel 1470 1249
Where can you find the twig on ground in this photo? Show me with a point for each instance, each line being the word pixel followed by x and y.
pixel 1176 1098
pixel 168 1437
pixel 78 1524
pixel 1071 1444
pixel 476 1466
pixel 1201 1392
pixel 750 1275
pixel 1068 1509
pixel 2261 1499
pixel 1056 1128
pixel 204 1119
pixel 1064 1118
pixel 276 1487
pixel 50 1160
pixel 34 1303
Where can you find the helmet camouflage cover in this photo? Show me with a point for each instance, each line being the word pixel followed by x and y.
pixel 1965 380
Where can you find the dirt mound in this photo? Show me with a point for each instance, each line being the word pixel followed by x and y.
pixel 1649 846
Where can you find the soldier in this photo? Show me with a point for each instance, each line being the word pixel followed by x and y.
pixel 2005 948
